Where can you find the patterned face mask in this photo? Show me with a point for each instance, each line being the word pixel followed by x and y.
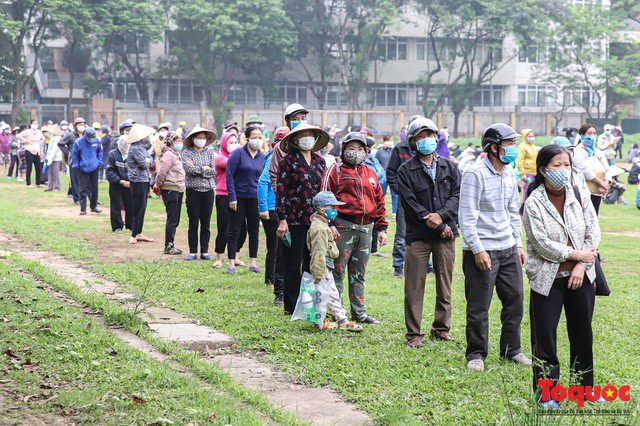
pixel 354 157
pixel 557 178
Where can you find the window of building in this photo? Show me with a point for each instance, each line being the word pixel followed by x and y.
pixel 389 95
pixel 392 49
pixel 134 43
pixel 529 54
pixel 242 94
pixel 483 50
pixel 127 92
pixel 579 97
pixel 534 95
pixel 291 92
pixel 336 96
pixel 178 91
pixel 487 96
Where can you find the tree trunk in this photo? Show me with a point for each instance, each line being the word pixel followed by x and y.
pixel 72 78
pixel 15 103
pixel 456 118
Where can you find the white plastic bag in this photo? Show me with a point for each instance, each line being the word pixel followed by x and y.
pixel 312 300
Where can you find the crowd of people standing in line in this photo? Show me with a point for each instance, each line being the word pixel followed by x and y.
pixel 321 200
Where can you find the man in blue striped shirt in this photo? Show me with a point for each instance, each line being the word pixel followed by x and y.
pixel 492 247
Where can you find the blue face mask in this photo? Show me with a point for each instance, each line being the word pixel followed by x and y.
pixel 178 147
pixel 511 153
pixel 426 146
pixel 331 213
pixel 295 123
pixel 589 143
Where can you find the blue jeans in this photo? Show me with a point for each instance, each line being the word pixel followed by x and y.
pixel 394 202
pixel 398 240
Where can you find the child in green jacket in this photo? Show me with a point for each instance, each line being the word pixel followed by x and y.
pixel 323 249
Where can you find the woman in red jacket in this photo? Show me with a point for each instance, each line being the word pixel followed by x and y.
pixel 357 186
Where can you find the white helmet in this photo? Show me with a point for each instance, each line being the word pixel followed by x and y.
pixel 292 109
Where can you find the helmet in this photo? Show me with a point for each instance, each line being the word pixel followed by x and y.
pixel 497 133
pixel 183 123
pixel 253 119
pixel 292 109
pixel 419 124
pixel 413 117
pixel 78 121
pixel 280 133
pixel 96 125
pixel 125 125
pixel 64 123
pixel 354 136
pixel 166 125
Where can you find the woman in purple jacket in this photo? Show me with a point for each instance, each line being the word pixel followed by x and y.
pixel 243 171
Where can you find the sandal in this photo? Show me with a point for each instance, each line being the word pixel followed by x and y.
pixel 141 237
pixel 368 320
pixel 217 265
pixel 350 326
pixel 241 263
pixel 328 325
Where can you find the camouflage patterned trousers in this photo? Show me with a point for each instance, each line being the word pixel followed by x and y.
pixel 354 246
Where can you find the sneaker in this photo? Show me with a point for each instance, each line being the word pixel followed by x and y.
pixel 96 210
pixel 29 186
pixel 476 365
pixel 378 254
pixel 117 231
pixel 398 273
pixel 9 177
pixel 415 342
pixel 440 335
pixel 171 249
pixel 231 270
pixel 48 190
pixel 521 359
pixel 192 256
pixel 550 405
pixel 393 216
pixel 83 213
pixel 206 256
pixel 278 300
pixel 255 269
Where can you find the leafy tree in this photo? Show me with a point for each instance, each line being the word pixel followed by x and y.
pixel 25 24
pixel 584 63
pixel 214 41
pixel 361 23
pixel 315 25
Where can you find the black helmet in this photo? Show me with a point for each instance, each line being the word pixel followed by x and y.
pixel 354 136
pixel 419 124
pixel 497 133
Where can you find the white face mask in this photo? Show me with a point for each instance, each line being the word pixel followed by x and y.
pixel 163 133
pixel 81 129
pixel 34 126
pixel 200 142
pixel 232 147
pixel 306 143
pixel 530 139
pixel 64 128
pixel 255 144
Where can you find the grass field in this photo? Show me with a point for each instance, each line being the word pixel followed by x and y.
pixel 375 370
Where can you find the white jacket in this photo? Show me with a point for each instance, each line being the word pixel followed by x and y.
pixel 53 151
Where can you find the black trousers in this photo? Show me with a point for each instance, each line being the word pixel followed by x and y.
pixel 173 204
pixel 33 161
pixel 506 276
pixel 246 211
pixel 15 161
pixel 139 194
pixel 596 200
pixel 120 197
pixel 374 241
pixel 298 259
pixel 199 209
pixel 273 268
pixel 88 188
pixel 222 225
pixel 545 313
pixel 74 184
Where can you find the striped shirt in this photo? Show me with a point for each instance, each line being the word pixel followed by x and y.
pixel 488 213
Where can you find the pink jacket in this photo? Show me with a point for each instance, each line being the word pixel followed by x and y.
pixel 171 173
pixel 4 143
pixel 32 140
pixel 221 165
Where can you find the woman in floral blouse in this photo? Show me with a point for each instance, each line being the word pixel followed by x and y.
pixel 562 238
pixel 299 180
pixel 200 173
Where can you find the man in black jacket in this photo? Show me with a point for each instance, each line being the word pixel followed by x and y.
pixel 429 188
pixel 400 154
pixel 119 187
